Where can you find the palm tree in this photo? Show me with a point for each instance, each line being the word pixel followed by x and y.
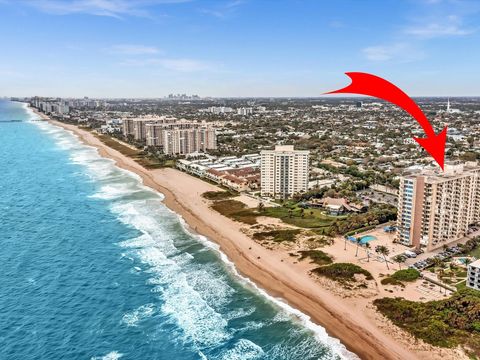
pixel 383 250
pixel 358 241
pixel 437 262
pixel 368 246
pixel 399 259
pixel 261 206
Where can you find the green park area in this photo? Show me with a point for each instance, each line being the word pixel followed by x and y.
pixel 292 213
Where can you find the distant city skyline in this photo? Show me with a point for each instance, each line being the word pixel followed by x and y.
pixel 235 48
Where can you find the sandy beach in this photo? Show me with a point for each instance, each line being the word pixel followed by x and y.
pixel 352 320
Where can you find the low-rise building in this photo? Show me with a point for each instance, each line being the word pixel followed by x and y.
pixel 230 172
pixel 473 275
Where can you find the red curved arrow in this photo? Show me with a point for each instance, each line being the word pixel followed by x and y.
pixel 371 85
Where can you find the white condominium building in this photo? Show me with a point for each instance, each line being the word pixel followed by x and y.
pixel 138 127
pixel 473 275
pixel 436 208
pixel 284 171
pixel 173 135
pixel 135 128
pixel 154 131
pixel 187 141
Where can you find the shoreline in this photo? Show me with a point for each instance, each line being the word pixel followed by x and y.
pixel 264 268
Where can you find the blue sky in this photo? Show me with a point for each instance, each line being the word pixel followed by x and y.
pixel 150 48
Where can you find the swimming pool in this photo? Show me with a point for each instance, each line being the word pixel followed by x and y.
pixel 363 240
pixel 367 238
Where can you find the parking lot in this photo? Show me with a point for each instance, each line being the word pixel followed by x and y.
pixel 421 264
pixel 377 196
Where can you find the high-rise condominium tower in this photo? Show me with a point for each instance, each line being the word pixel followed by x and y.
pixel 284 171
pixel 437 208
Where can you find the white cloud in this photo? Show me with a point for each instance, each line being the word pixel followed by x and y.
pixel 399 52
pixel 451 26
pixel 111 8
pixel 130 49
pixel 224 10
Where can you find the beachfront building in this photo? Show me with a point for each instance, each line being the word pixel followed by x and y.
pixel 154 131
pixel 284 171
pixel 174 136
pixel 50 106
pixel 187 141
pixel 473 275
pixel 436 208
pixel 137 127
pixel 236 173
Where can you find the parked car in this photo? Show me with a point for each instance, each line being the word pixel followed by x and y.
pixel 410 254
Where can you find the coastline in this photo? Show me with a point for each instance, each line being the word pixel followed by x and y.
pixel 271 270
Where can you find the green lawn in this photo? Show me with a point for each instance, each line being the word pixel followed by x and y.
pixel 312 218
pixel 461 285
pixel 475 252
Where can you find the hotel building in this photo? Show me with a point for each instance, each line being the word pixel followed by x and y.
pixel 284 172
pixel 436 208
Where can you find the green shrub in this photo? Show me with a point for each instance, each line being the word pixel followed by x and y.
pixel 235 210
pixel 391 281
pixel 342 272
pixel 316 256
pixel 446 323
pixel 277 235
pixel 406 275
pixel 219 195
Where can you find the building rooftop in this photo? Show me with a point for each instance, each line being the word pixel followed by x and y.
pixel 453 169
pixel 476 263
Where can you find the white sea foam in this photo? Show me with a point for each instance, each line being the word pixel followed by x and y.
pixel 113 191
pixel 181 285
pixel 114 355
pixel 243 350
pixel 136 316
pixel 200 322
pixel 239 313
pixel 30 112
pixel 320 333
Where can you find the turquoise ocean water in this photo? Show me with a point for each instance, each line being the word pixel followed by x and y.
pixel 94 266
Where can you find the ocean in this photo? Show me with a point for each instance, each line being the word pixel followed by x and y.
pixel 94 266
